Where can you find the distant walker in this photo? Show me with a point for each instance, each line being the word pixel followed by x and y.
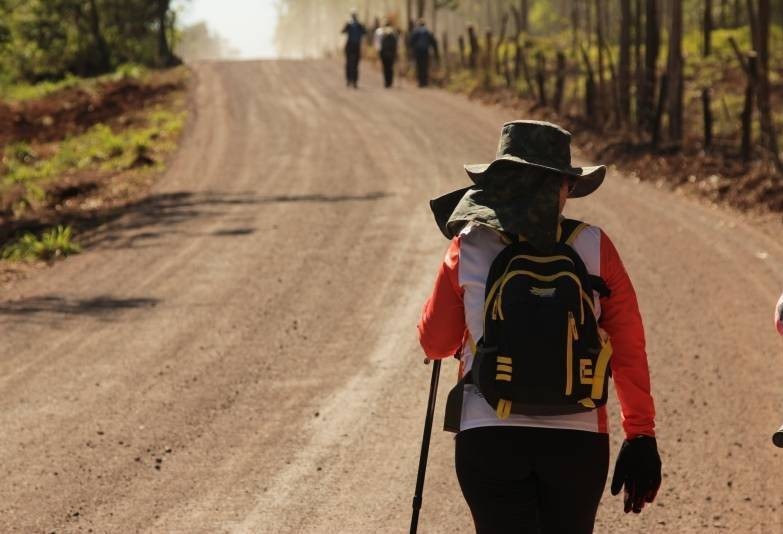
pixel 386 41
pixel 421 41
pixel 353 49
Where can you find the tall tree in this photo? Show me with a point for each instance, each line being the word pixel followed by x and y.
pixel 651 46
pixel 524 12
pixel 759 25
pixel 165 56
pixel 599 37
pixel 705 91
pixel 574 26
pixel 638 65
pixel 707 28
pixel 104 59
pixel 674 69
pixel 625 59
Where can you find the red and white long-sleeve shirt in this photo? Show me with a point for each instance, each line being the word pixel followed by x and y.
pixel 453 315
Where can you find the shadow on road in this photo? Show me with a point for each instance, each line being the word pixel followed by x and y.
pixel 159 215
pixel 102 306
pixel 163 214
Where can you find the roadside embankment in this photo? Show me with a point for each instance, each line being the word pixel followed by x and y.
pixel 75 157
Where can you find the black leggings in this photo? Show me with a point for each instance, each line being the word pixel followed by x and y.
pixel 532 480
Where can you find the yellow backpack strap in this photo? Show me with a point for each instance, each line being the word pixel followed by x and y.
pixel 470 342
pixel 571 228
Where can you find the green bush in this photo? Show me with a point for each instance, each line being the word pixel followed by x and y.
pixel 53 243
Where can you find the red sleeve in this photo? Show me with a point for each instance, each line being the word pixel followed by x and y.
pixel 621 319
pixel 442 323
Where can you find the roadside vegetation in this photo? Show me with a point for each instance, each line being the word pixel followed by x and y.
pixel 91 104
pixel 100 148
pixel 53 243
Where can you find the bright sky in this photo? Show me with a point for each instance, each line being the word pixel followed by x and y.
pixel 248 25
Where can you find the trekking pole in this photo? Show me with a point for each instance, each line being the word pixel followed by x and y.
pixel 777 437
pixel 425 445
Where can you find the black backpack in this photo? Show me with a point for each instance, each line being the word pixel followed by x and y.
pixel 388 45
pixel 542 352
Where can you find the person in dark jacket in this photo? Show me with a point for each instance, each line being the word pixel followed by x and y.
pixel 386 44
pixel 353 49
pixel 421 41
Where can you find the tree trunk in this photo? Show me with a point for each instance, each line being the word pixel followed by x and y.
pixel 674 71
pixel 507 66
pixel 526 71
pixel 488 59
pixel 589 22
pixel 574 27
pixel 461 45
pixel 599 38
pixel 501 41
pixel 541 78
pixel 639 66
pixel 559 81
pixel 624 77
pixel 747 110
pixel 104 59
pixel 706 108
pixel 589 88
pixel 706 104
pixel 420 4
pixel 652 42
pixel 445 54
pixel 656 126
pixel 524 10
pixel 707 28
pixel 760 32
pixel 475 49
pixel 165 56
pixel 618 114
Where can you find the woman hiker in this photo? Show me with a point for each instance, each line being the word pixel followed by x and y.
pixel 540 311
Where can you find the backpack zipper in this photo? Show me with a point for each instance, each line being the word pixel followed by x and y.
pixel 571 335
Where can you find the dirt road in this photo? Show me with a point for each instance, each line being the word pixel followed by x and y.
pixel 239 354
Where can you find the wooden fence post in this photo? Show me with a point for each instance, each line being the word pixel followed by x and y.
pixel 541 77
pixel 747 111
pixel 559 81
pixel 705 104
pixel 656 126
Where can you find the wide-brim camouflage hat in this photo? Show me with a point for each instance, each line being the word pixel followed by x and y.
pixel 539 144
pixel 519 191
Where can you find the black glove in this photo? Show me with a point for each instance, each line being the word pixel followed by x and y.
pixel 638 468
